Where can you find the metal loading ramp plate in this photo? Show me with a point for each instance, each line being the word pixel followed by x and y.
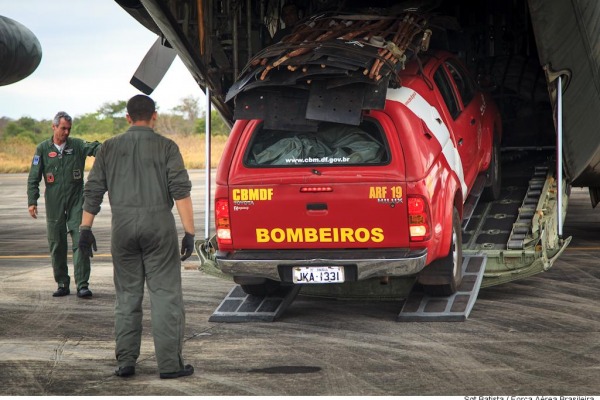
pixel 238 306
pixel 420 307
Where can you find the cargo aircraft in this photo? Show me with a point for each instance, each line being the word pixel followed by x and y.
pixel 539 59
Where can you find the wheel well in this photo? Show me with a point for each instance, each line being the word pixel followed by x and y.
pixel 458 203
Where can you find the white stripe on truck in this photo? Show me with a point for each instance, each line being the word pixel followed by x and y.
pixel 432 119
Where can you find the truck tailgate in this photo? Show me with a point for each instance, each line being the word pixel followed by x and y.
pixel 319 215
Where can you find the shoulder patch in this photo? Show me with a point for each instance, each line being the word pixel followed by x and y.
pixel 36 159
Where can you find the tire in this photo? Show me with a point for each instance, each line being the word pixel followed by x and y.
pixel 493 184
pixel 267 288
pixel 443 277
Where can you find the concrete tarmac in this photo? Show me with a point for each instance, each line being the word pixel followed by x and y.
pixel 537 336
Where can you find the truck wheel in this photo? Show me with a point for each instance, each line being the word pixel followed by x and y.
pixel 493 184
pixel 262 289
pixel 443 277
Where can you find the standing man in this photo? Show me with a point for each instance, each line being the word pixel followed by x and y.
pixel 290 17
pixel 144 175
pixel 60 160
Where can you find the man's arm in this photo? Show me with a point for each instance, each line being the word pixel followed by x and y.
pixel 91 148
pixel 95 186
pixel 33 182
pixel 179 188
pixel 87 240
pixel 93 192
pixel 186 214
pixel 87 219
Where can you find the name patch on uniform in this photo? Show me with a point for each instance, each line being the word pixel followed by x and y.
pixel 52 154
pixel 76 174
pixel 36 160
pixel 50 177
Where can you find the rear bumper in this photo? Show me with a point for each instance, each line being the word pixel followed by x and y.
pixel 359 264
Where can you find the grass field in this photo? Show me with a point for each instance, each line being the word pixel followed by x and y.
pixel 16 155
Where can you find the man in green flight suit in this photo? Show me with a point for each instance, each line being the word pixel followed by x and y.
pixel 60 160
pixel 144 174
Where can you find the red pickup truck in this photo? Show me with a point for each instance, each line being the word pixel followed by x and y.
pixel 347 202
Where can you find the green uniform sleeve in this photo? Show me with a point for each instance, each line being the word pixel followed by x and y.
pixel 179 182
pixel 91 148
pixel 96 186
pixel 35 176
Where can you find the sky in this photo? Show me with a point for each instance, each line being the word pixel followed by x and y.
pixel 90 51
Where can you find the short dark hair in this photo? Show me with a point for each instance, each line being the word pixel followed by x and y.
pixel 140 108
pixel 288 7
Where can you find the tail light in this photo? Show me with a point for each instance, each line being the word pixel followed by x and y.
pixel 222 223
pixel 419 221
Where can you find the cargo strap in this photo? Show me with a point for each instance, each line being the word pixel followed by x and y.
pixel 420 307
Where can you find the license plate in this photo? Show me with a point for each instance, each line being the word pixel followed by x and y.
pixel 318 274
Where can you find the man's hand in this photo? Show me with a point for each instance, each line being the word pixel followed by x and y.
pixel 33 211
pixel 87 242
pixel 187 246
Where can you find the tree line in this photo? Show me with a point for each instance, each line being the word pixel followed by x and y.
pixel 185 119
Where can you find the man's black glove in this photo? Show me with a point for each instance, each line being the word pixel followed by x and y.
pixel 87 242
pixel 187 246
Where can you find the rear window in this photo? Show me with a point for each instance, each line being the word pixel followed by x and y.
pixel 332 144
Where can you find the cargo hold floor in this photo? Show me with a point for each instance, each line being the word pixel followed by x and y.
pixel 491 225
